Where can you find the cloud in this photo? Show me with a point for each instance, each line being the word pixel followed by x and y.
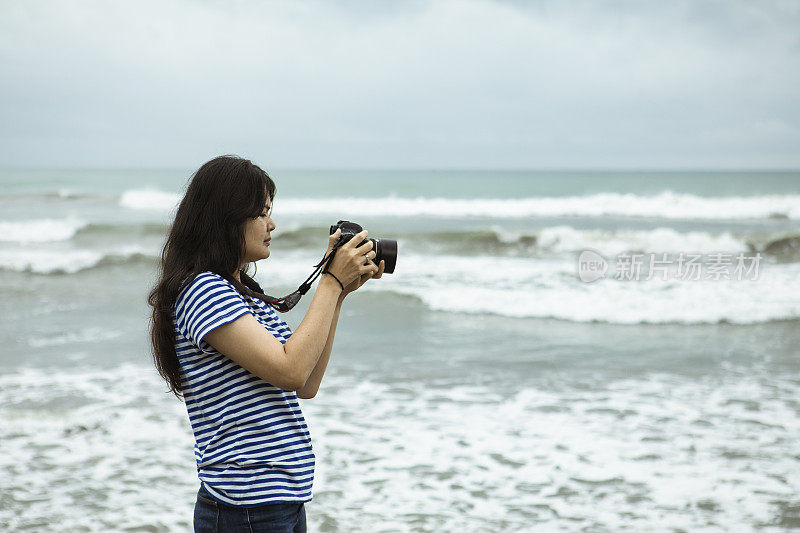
pixel 407 84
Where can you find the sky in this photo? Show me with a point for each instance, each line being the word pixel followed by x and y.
pixel 471 84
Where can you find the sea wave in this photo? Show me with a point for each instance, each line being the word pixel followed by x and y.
pixel 93 230
pixel 497 243
pixel 568 239
pixel 86 335
pixel 550 288
pixel 149 199
pixel 633 440
pixel 496 240
pixel 517 287
pixel 40 230
pixel 46 195
pixel 47 262
pixel 525 288
pixel 668 205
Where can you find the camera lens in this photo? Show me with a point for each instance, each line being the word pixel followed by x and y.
pixel 386 250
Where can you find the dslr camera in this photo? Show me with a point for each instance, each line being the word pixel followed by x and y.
pixel 385 249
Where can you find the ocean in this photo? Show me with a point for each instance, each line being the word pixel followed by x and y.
pixel 486 385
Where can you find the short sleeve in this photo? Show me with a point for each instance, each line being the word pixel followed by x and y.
pixel 205 304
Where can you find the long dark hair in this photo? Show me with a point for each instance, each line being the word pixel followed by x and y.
pixel 207 235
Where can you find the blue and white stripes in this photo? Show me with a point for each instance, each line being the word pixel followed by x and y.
pixel 252 444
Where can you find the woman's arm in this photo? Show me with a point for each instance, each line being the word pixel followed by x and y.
pixel 289 365
pixel 311 387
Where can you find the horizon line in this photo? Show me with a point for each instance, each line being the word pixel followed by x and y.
pixel 419 169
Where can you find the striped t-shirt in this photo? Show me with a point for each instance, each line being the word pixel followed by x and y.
pixel 252 443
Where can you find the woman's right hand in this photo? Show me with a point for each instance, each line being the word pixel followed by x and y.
pixel 349 263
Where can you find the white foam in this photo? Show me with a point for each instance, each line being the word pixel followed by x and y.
pixel 550 288
pixel 95 425
pixel 149 199
pixel 91 334
pixel 40 230
pixel 513 456
pixel 398 456
pixel 68 193
pixel 667 205
pixel 568 239
pixel 522 287
pixel 47 261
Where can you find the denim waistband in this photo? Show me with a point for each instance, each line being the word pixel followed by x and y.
pixel 203 494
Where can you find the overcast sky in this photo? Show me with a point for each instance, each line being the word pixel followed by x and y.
pixel 358 84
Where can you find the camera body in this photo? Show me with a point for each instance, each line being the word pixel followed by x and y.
pixel 385 249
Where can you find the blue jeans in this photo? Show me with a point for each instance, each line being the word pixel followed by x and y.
pixel 214 517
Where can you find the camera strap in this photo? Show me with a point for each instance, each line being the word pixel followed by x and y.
pixel 250 287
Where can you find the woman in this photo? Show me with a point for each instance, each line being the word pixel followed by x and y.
pixel 235 362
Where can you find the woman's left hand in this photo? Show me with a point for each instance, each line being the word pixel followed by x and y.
pixel 355 285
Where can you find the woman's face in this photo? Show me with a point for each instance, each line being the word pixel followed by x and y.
pixel 257 235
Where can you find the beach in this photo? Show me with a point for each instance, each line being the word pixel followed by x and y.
pixel 481 387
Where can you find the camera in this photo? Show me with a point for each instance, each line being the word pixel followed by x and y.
pixel 385 249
